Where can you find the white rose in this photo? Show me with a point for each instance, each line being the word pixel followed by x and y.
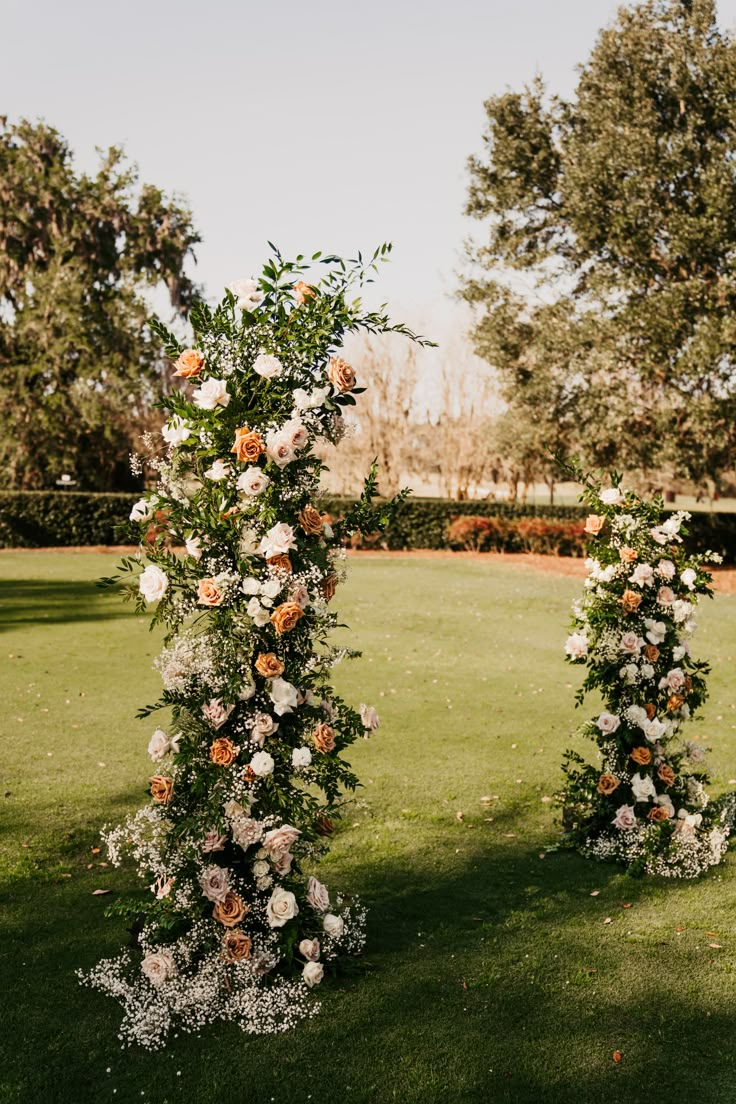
pixel 647 671
pixel 309 949
pixel 654 730
pixel 256 611
pixel 247 689
pixel 673 680
pixel 281 907
pixel 253 481
pixel 643 787
pixel 313 973
pixel 246 831
pixel 193 547
pixel 158 966
pixel 272 588
pixel 260 868
pixel 263 726
pixel 153 583
pixel 666 569
pixel 278 841
pixel 250 586
pixel 262 764
pixel 317 895
pixel 296 433
pixel 248 545
pixel 278 449
pixel 279 540
pixel 158 745
pixel 212 393
pixel 680 652
pixel 219 470
pixel 309 400
pixel 576 646
pixel 175 431
pixel 328 531
pixel 630 672
pixel 333 925
pixel 611 496
pixel 369 718
pixel 301 757
pixel 608 723
pixel 682 610
pixel 659 534
pixel 630 643
pixel 656 630
pixel 247 293
pixel 267 366
pixel 283 695
pixel 141 511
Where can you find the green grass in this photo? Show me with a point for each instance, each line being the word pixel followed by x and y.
pixel 490 975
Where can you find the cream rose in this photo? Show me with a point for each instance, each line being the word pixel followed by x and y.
pixel 333 925
pixel 141 511
pixel 279 840
pixel 576 646
pixel 279 540
pixel 317 895
pixel 247 294
pixel 159 745
pixel 175 432
pixel 313 973
pixel 625 818
pixel 281 908
pixel 212 393
pixel 608 723
pixel 153 583
pixel 309 949
pixel 262 764
pixel 219 470
pixel 215 883
pixel 158 967
pixel 267 366
pixel 301 757
pixel 253 481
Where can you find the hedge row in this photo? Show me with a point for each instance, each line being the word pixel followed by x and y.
pixel 45 519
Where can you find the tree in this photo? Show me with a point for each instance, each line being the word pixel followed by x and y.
pixel 78 256
pixel 619 209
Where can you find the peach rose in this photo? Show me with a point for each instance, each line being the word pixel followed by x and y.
pixel 280 562
pixel 594 523
pixel 269 665
pixel 223 751
pixel 303 291
pixel 231 910
pixel 340 374
pixel 651 711
pixel 630 601
pixel 162 789
pixel 675 701
pixel 628 555
pixel 209 593
pixel 248 445
pixel 323 737
pixel 328 586
pixel 285 617
pixel 607 783
pixel 249 775
pixel 310 521
pixel 236 946
pixel 651 651
pixel 189 363
pixel 666 773
pixel 658 812
pixel 642 756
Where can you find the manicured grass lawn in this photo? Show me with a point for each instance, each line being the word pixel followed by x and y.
pixel 490 975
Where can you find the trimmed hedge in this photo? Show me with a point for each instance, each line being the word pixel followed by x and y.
pixel 50 519
pixel 47 519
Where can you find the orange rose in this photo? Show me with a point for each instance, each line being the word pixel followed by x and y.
pixel 631 601
pixel 651 651
pixel 282 562
pixel 231 910
pixel 666 773
pixel 189 363
pixel 303 291
pixel 688 684
pixel 628 555
pixel 223 751
pixel 236 946
pixel 651 711
pixel 285 617
pixel 209 593
pixel 675 701
pixel 341 374
pixel 642 756
pixel 249 775
pixel 269 665
pixel 162 789
pixel 248 445
pixel 310 521
pixel 594 523
pixel 323 738
pixel 607 783
pixel 232 512
pixel 658 812
pixel 328 587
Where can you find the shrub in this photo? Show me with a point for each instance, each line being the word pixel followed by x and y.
pixel 48 519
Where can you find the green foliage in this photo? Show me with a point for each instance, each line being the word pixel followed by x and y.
pixel 619 207
pixel 79 367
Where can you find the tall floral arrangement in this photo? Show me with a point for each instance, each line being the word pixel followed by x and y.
pixel 240 566
pixel 644 804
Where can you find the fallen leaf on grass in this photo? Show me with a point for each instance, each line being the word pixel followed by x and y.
pixel 100 892
pixel 617 1056
pixel 608 920
pixel 510 835
pixel 712 933
pixel 679 930
pixel 716 946
pixel 542 855
pixel 626 906
pixel 594 892
pixel 95 850
pixel 460 815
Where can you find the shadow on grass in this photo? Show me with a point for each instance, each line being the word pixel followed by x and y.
pixel 43 602
pixel 489 977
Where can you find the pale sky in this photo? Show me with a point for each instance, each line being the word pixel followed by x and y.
pixel 320 125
